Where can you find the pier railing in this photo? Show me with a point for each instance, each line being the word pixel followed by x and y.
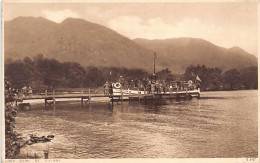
pixel 50 97
pixel 61 91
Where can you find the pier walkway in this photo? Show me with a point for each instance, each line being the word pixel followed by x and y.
pixel 50 99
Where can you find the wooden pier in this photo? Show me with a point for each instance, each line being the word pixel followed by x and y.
pixel 50 99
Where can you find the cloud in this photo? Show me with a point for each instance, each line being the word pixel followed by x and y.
pixel 156 28
pixel 59 16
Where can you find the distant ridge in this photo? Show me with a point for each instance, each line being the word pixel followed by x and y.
pixel 184 51
pixel 91 44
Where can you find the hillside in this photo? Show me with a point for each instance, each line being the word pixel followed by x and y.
pixel 178 53
pixel 91 44
pixel 73 40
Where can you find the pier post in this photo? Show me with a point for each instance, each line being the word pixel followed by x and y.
pixel 45 102
pixel 46 92
pixel 89 96
pixel 144 95
pixel 138 95
pixel 81 101
pixel 170 92
pixel 54 101
pixel 46 154
pixel 121 94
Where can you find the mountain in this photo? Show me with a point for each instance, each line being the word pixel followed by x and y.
pixel 74 40
pixel 178 53
pixel 90 44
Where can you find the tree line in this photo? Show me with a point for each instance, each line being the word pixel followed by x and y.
pixel 215 79
pixel 42 73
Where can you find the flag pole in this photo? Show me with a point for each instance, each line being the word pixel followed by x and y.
pixel 154 63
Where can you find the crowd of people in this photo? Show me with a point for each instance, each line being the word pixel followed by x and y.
pixel 27 91
pixel 151 86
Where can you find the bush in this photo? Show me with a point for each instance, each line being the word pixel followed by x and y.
pixel 12 144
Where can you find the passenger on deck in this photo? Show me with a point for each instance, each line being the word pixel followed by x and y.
pixel 190 85
pixel 144 82
pixel 132 84
pixel 164 87
pixel 157 87
pixel 140 84
pixel 171 88
pixel 153 88
pixel 126 84
pixel 160 88
pixel 178 85
pixel 30 91
pixel 121 80
pixel 148 87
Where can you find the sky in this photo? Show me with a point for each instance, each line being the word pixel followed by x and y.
pixel 225 24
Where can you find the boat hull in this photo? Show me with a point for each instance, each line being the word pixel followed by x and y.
pixel 195 92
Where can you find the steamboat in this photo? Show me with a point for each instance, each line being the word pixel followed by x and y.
pixel 157 88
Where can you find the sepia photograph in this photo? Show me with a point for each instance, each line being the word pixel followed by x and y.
pixel 127 80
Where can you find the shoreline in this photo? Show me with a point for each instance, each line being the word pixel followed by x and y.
pixel 106 99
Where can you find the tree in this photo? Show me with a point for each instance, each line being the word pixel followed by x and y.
pixel 75 74
pixel 211 77
pixel 19 74
pixel 28 61
pixel 166 75
pixel 112 74
pixel 50 71
pixel 94 77
pixel 232 77
pixel 38 57
pixel 249 77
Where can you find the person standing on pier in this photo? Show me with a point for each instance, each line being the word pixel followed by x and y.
pixel 164 87
pixel 110 89
pixel 178 85
pixel 106 88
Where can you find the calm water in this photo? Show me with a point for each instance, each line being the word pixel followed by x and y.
pixel 220 124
